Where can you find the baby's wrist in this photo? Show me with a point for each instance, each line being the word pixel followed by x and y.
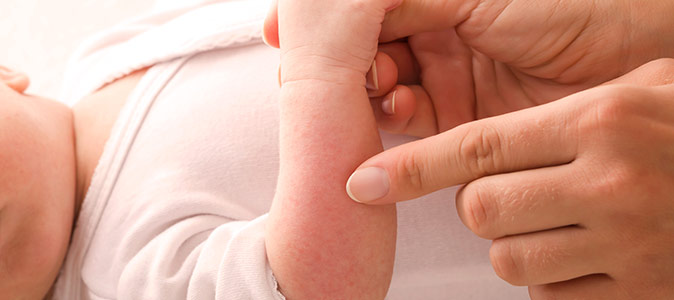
pixel 317 66
pixel 319 74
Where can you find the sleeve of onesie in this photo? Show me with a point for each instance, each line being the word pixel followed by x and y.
pixel 197 257
pixel 156 240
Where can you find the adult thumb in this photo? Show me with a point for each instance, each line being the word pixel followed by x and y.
pixel 416 16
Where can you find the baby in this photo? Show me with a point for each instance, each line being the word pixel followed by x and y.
pixel 42 180
pixel 177 168
pixel 37 188
pixel 169 194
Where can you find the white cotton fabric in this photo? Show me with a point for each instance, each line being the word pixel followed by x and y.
pixel 178 202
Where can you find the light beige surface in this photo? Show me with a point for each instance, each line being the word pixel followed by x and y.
pixel 38 36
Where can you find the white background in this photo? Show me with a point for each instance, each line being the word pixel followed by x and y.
pixel 38 36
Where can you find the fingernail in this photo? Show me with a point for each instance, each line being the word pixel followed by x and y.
pixel 389 104
pixel 264 38
pixel 372 80
pixel 368 184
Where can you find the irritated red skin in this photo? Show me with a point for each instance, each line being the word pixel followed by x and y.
pixel 320 243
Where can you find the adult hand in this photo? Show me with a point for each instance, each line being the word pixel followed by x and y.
pixel 484 58
pixel 576 194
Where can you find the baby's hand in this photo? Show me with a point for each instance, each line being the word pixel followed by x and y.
pixel 332 41
pixel 432 94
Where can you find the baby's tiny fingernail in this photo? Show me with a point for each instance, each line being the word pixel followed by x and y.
pixel 372 80
pixel 368 184
pixel 389 104
pixel 264 38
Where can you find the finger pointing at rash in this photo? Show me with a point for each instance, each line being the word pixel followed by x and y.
pixel 527 139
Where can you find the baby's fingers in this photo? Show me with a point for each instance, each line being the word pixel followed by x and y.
pixel 270 29
pixel 408 67
pixel 382 77
pixel 406 110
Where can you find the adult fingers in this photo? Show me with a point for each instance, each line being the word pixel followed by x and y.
pixel 522 202
pixel 537 137
pixel 595 287
pixel 654 73
pixel 436 15
pixel 270 27
pixel 533 138
pixel 402 20
pixel 445 96
pixel 547 256
pixel 447 75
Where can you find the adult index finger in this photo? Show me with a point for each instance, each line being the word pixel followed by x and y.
pixel 527 139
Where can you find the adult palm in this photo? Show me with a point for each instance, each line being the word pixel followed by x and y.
pixel 477 59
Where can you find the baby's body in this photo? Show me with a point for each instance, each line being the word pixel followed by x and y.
pixel 37 188
pixel 40 173
pixel 175 204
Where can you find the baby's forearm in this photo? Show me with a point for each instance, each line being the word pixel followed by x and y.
pixel 320 243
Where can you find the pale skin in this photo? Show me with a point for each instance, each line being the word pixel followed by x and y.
pixel 332 239
pixel 37 180
pixel 312 247
pixel 316 162
pixel 575 194
pixel 43 176
pixel 297 266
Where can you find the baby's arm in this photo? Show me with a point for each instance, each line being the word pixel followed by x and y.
pixel 320 243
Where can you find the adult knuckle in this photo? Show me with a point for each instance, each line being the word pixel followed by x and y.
pixel 505 262
pixel 482 151
pixel 612 107
pixel 478 212
pixel 410 169
pixel 481 16
pixel 615 178
pixel 625 189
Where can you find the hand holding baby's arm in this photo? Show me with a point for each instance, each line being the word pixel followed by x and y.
pixel 321 244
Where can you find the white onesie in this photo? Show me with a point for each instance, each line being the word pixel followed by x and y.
pixel 178 202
